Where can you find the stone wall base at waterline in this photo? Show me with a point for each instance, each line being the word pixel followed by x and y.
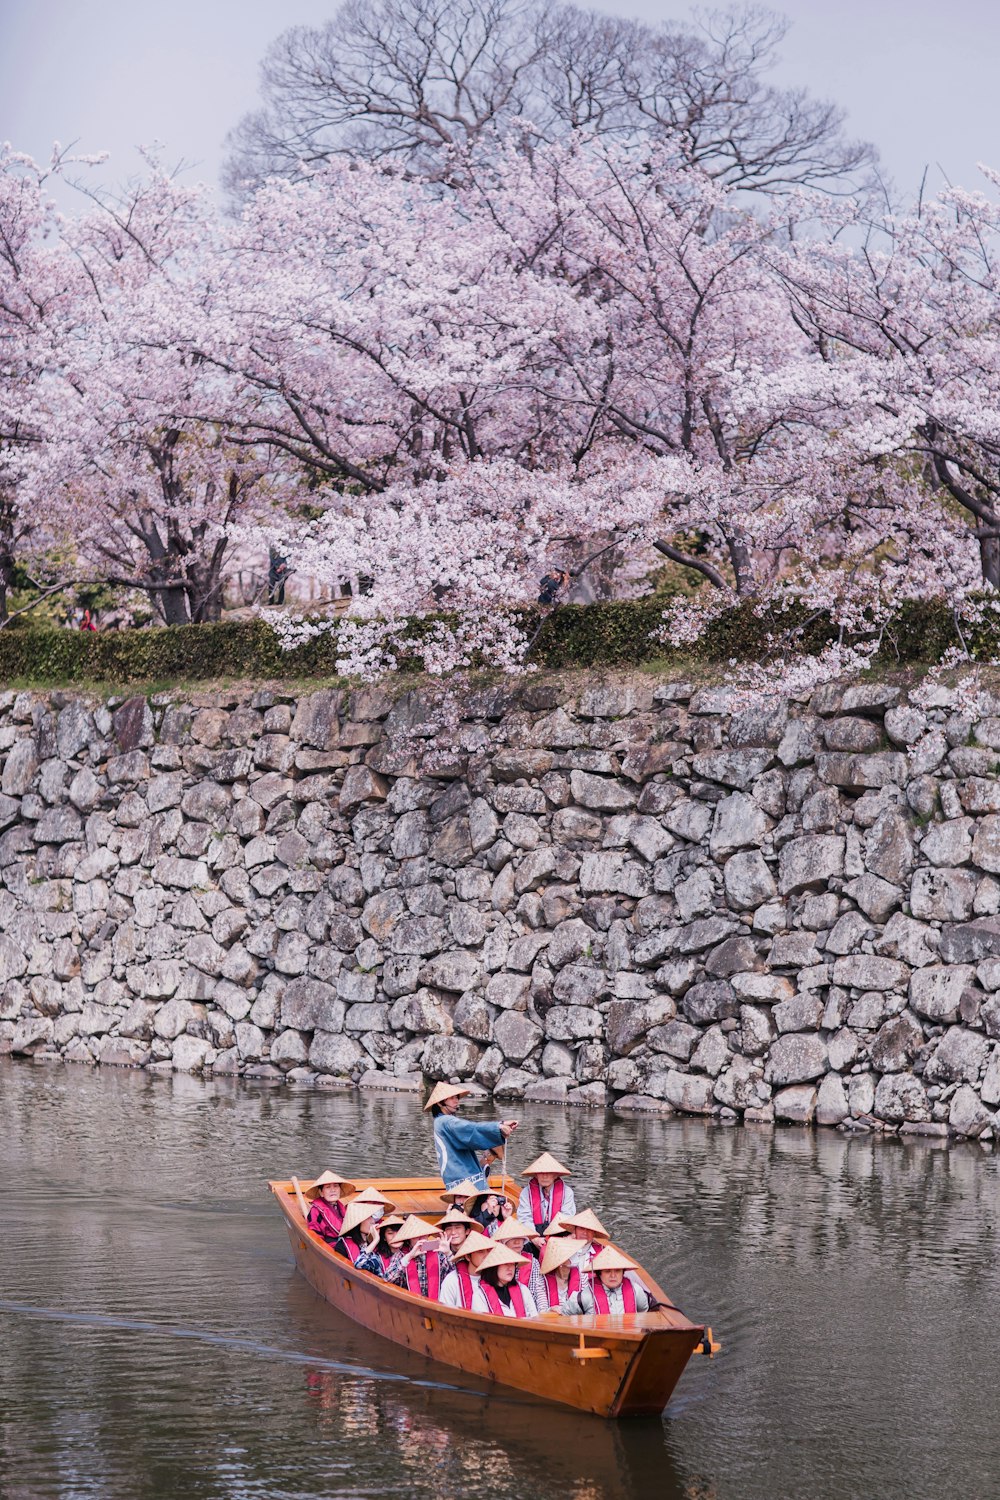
pixel 414 1085
pixel 625 892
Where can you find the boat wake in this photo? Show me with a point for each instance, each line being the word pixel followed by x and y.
pixel 229 1341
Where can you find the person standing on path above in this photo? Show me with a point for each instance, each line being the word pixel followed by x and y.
pixel 457 1141
pixel 278 574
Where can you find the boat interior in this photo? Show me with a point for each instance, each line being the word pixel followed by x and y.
pixel 422 1196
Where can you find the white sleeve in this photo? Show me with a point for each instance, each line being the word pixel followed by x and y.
pixel 530 1307
pixel 524 1206
pixel 569 1200
pixel 450 1293
pixel 642 1297
pixel 584 1298
pixel 536 1285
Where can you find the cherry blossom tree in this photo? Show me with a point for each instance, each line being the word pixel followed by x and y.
pixel 609 349
pixel 545 361
pixel 588 349
pixel 134 474
pixel 399 353
pixel 671 264
pixel 904 333
pixel 33 289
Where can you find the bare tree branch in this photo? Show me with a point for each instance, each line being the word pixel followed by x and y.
pixel 419 81
pixel 698 564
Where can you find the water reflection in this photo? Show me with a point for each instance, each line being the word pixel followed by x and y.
pixel 495 1448
pixel 854 1283
pixel 310 1430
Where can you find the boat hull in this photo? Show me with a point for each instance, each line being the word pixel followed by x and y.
pixel 614 1367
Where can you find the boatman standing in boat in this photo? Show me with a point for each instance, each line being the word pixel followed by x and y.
pixel 457 1141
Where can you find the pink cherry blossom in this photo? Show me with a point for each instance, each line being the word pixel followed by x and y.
pixel 436 394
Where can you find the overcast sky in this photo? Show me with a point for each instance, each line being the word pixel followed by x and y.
pixel 917 78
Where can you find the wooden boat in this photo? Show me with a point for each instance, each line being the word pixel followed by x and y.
pixel 624 1366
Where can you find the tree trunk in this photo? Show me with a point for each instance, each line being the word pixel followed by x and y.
pixel 204 576
pixel 173 604
pixel 8 562
pixel 742 561
pixel 989 557
pixel 206 603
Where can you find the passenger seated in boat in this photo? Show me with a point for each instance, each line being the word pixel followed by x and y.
pixel 486 1207
pixel 587 1228
pixel 384 1244
pixel 457 1141
pixel 499 1292
pixel 547 1194
pixel 378 1202
pixel 327 1205
pixel 614 1287
pixel 560 1278
pixel 459 1286
pixel 514 1234
pixel 453 1228
pixel 356 1237
pixel 422 1265
pixel 456 1195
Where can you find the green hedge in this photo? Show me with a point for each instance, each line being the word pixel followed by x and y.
pixel 623 633
pixel 188 652
pixel 614 634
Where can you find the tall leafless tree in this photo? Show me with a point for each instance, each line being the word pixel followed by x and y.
pixel 418 81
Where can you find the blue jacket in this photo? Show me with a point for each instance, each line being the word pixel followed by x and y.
pixel 456 1143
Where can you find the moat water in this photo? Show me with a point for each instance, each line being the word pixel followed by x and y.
pixel 156 1340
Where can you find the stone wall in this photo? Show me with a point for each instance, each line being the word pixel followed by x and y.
pixel 621 892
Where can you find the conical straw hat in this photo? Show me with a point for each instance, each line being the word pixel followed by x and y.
pixel 487 1192
pixel 556 1226
pixel 442 1091
pixel 391 1221
pixel 357 1212
pixel 513 1229
pixel 328 1179
pixel 372 1195
pixel 557 1253
pixel 472 1244
pixel 415 1228
pixel 546 1163
pixel 587 1220
pixel 501 1255
pixel 460 1192
pixel 611 1259
pixel 455 1216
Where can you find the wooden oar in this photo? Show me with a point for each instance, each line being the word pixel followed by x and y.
pixel 303 1205
pixel 708 1345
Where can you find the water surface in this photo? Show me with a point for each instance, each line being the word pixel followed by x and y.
pixel 156 1340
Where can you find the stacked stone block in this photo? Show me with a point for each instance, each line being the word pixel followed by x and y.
pixel 626 892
